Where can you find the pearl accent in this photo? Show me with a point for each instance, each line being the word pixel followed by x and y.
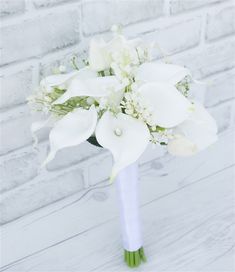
pixel 118 132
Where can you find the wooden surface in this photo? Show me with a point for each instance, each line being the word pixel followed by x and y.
pixel 187 211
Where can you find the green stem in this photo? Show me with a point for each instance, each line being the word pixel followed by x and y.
pixel 134 258
pixel 102 73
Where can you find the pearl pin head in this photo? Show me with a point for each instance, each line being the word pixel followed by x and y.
pixel 118 132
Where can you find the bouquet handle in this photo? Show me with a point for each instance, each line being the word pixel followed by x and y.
pixel 127 189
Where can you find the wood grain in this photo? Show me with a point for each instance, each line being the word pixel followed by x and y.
pixel 187 213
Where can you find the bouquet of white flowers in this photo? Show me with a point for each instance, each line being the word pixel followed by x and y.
pixel 122 101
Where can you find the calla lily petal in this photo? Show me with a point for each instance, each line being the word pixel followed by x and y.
pixel 161 72
pixel 169 106
pixel 199 129
pixel 201 117
pixel 125 136
pixel 57 80
pixel 95 87
pixel 73 129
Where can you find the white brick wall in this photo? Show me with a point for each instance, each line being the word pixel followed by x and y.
pixel 38 35
pixel 11 7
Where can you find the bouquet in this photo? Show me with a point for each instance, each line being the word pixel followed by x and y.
pixel 122 100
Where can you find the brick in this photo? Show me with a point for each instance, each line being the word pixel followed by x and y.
pixel 49 3
pixel 220 24
pixel 175 38
pixel 73 155
pixel 15 132
pixel 177 6
pixel 39 36
pixel 18 170
pixel 39 193
pixel 11 7
pixel 209 60
pixel 220 89
pixel 99 16
pixel 15 88
pixel 48 67
pixel 223 115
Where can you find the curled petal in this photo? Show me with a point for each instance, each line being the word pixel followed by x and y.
pixel 169 107
pixel 94 87
pixel 201 116
pixel 57 80
pixel 65 79
pixel 73 129
pixel 125 136
pixel 161 72
pixel 199 129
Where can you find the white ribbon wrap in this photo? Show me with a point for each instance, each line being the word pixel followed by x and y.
pixel 127 186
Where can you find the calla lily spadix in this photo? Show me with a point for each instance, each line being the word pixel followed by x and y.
pixel 161 73
pixel 169 107
pixel 194 134
pixel 94 87
pixel 73 129
pixel 125 136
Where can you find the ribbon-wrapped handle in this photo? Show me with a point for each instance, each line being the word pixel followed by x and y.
pixel 127 186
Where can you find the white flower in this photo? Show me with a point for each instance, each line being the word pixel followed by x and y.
pixel 94 87
pixel 195 134
pixel 112 101
pixel 99 58
pixel 57 80
pixel 73 129
pixel 168 106
pixel 125 54
pixel 161 73
pixel 125 136
pixel 64 79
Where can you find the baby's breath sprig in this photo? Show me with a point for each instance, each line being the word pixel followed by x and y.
pixel 184 86
pixel 74 63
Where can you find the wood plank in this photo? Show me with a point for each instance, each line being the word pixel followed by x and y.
pixel 71 217
pixel 223 262
pixel 184 231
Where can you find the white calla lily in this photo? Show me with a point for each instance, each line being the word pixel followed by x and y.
pixel 99 58
pixel 161 72
pixel 73 129
pixel 65 79
pixel 57 80
pixel 125 136
pixel 94 87
pixel 169 107
pixel 116 44
pixel 195 134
